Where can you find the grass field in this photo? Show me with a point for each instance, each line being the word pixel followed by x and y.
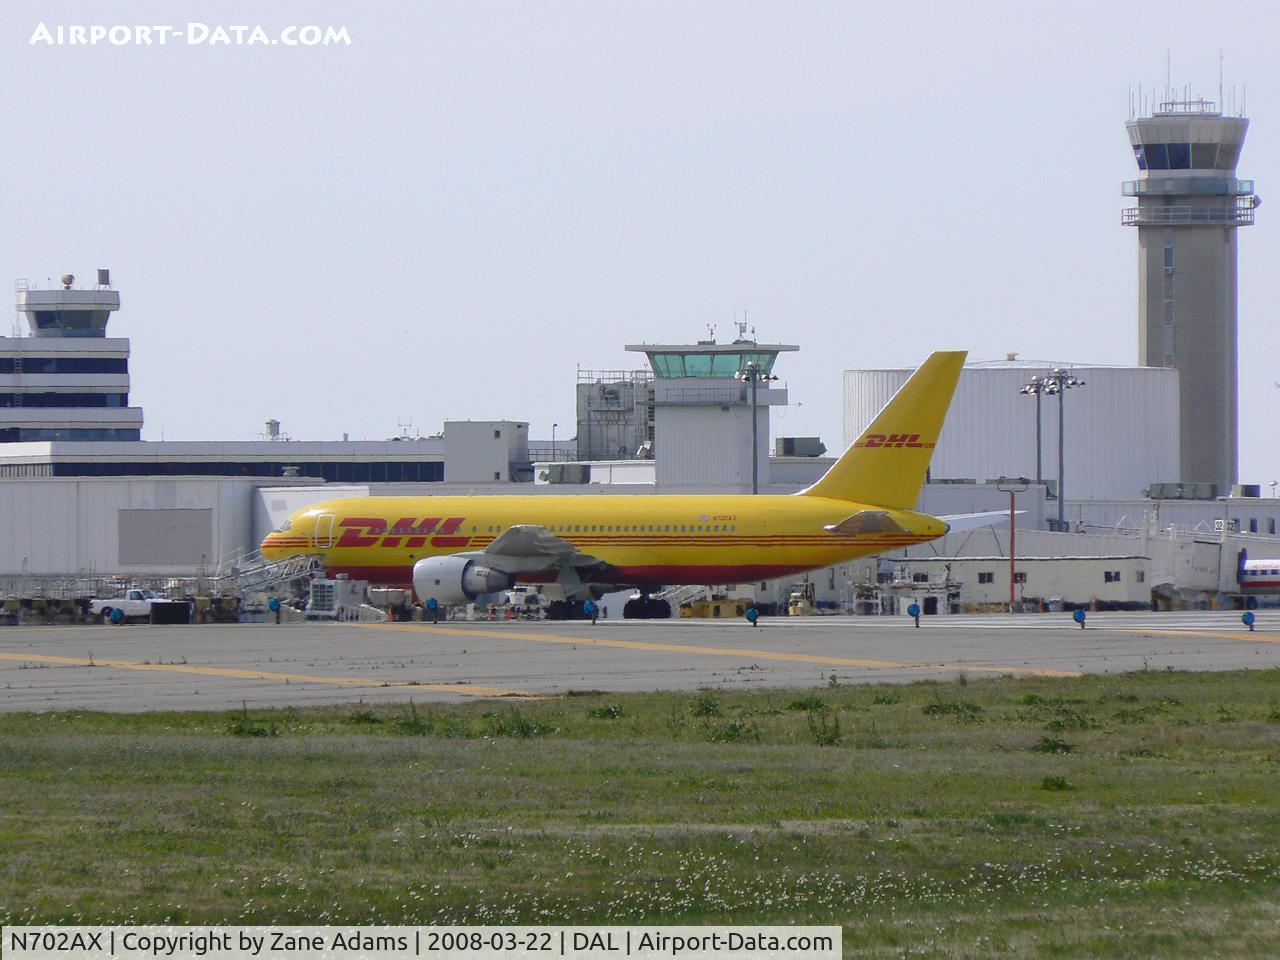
pixel 1134 815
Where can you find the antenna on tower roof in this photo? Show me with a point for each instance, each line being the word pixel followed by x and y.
pixel 1221 105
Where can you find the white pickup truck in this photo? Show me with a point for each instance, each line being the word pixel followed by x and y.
pixel 134 604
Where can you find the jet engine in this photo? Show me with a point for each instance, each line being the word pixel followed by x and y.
pixel 456 579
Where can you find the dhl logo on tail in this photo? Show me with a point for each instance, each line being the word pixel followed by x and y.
pixel 893 440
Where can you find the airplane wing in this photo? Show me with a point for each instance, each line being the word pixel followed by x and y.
pixel 536 547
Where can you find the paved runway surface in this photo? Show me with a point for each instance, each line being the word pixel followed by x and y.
pixel 215 667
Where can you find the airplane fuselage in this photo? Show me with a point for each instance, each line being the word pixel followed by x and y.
pixel 642 540
pixel 1259 577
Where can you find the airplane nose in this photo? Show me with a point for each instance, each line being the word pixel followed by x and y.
pixel 277 545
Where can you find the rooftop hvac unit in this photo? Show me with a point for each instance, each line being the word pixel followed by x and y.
pixel 798 447
pixel 569 473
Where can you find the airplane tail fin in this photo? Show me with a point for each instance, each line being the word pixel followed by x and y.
pixel 886 466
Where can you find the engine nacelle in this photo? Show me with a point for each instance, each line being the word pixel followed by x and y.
pixel 456 579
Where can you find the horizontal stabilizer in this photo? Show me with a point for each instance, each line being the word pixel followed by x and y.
pixel 960 522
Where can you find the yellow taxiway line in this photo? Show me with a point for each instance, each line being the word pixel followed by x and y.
pixel 465 689
pixel 818 658
pixel 1216 634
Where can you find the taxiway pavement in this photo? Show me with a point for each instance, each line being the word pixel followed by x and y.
pixel 142 667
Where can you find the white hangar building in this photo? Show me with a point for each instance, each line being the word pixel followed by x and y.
pixel 1121 425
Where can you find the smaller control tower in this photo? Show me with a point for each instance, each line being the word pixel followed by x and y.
pixel 1190 204
pixel 702 397
pixel 68 380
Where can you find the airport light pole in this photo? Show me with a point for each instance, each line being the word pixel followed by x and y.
pixel 752 371
pixel 1035 387
pixel 553 441
pixel 1013 486
pixel 1059 381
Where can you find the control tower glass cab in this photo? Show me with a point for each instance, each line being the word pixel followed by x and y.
pixel 711 410
pixel 1189 204
pixel 67 312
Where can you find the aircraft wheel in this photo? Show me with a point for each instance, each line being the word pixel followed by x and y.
pixel 633 609
pixel 659 610
pixel 556 610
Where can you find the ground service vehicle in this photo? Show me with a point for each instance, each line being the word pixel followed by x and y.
pixel 134 604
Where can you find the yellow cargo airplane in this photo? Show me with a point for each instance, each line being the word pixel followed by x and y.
pixel 454 549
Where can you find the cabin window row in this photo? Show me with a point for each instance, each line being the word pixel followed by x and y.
pixel 411 529
pixel 646 528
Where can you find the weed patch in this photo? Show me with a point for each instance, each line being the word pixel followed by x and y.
pixel 813 703
pixel 735 731
pixel 706 706
pixel 824 727
pixel 242 725
pixel 512 723
pixel 965 710
pixel 1051 745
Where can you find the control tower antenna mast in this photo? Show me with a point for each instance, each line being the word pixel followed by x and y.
pixel 1221 103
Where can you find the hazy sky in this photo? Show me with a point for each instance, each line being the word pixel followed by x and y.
pixel 448 217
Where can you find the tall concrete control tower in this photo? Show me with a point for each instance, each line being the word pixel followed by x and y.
pixel 1189 206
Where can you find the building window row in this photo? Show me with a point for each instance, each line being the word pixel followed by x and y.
pixel 1186 156
pixel 410 471
pixel 24 434
pixel 22 364
pixel 38 401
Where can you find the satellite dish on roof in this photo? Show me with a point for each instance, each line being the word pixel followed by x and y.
pixel 67 281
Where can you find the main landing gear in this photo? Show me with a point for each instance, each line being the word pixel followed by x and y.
pixel 567 610
pixel 646 608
